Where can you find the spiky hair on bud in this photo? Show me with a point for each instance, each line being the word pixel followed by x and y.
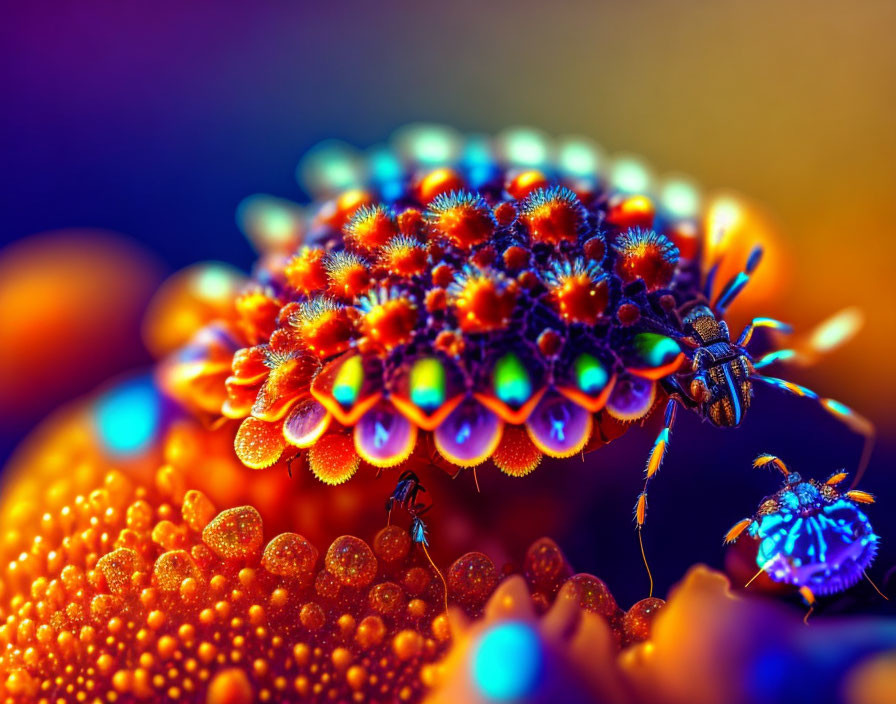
pixel 645 255
pixel 552 215
pixel 483 299
pixel 370 228
pixel 348 275
pixel 325 326
pixel 461 218
pixel 578 290
pixel 389 318
pixel 404 256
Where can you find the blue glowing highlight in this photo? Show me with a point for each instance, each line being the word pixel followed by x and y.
pixel 591 374
pixel 507 662
pixel 734 395
pixel 837 407
pixel 380 435
pixel 772 323
pixel 776 356
pixel 128 416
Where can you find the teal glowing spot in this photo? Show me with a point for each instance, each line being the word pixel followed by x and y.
pixel 348 381
pixel 507 662
pixel 427 382
pixel 590 374
pixel 271 220
pixel 776 356
pixel 680 198
pixel 656 350
pixel 383 165
pixel 525 147
pixel 431 145
pixel 837 408
pixel 477 152
pixel 330 166
pixel 214 282
pixel 478 160
pixel 511 380
pixel 128 416
pixel 578 157
pixel 629 175
pixel 278 224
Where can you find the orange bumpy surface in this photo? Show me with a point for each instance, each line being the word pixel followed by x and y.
pixel 123 585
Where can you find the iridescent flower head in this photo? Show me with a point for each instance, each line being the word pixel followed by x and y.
pixel 468 307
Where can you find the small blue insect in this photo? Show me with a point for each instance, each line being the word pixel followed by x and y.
pixel 811 535
pixel 405 495
pixel 419 531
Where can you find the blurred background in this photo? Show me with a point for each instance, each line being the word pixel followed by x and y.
pixel 129 134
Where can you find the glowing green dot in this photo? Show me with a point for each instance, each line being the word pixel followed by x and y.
pixel 427 381
pixel 629 175
pixel 590 374
pixel 681 198
pixel 656 350
pixel 525 147
pixel 579 157
pixel 214 282
pixel 511 380
pixel 431 145
pixel 329 167
pixel 348 381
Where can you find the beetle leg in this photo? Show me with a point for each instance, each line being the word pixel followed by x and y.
pixel 737 283
pixel 747 334
pixel 809 598
pixel 776 462
pixel 654 463
pixel 855 422
pixel 784 355
pixel 737 529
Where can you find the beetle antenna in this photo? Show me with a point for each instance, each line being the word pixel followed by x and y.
pixel 644 557
pixel 441 576
pixel 753 578
pixel 808 614
pixel 871 582
pixel 809 597
pixel 866 456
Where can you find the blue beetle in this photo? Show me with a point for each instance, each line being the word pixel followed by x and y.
pixel 811 535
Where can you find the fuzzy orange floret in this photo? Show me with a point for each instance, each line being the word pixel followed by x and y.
pixel 325 327
pixel 305 272
pixel 461 218
pixel 333 459
pixel 370 228
pixel 483 301
pixel 516 455
pixel 552 215
pixel 390 323
pixel 348 275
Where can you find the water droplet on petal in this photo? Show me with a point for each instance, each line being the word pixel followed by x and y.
pixel 235 533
